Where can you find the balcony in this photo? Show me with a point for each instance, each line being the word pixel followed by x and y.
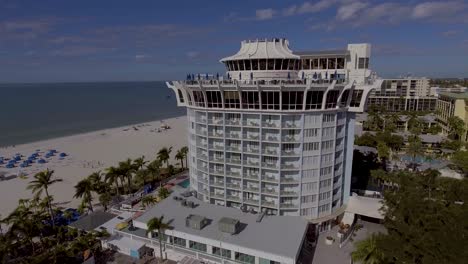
pixel 271 124
pixel 233 198
pixel 233 161
pixel 291 124
pixel 217 147
pixel 268 203
pixel 236 135
pixel 251 122
pixel 289 180
pixel 201 144
pixel 235 174
pixel 254 150
pixel 270 178
pixel 202 180
pixel 270 151
pixel 201 120
pixel 290 166
pixel 251 201
pixel 251 162
pixel 218 134
pixel 291 138
pixel 270 137
pixel 203 191
pixel 289 193
pixel 217 171
pixel 290 152
pixel 233 122
pixel 269 190
pixel 216 159
pixel 200 132
pixel 202 168
pixel 252 136
pixel 235 186
pixel 233 148
pixel 217 195
pixel 251 188
pixel 288 205
pixel 202 155
pixel 218 183
pixel 252 176
pixel 215 121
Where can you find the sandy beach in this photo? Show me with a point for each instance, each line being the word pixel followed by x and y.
pixel 88 153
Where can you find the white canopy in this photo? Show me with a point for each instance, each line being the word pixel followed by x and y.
pixel 366 206
pixel 263 49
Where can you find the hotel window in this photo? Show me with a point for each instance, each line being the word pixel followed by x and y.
pixel 309 186
pixel 331 63
pixel 328 144
pixel 323 208
pixel 247 65
pixel 356 98
pixel 197 246
pixel 270 100
pixel 292 100
pixel 311 161
pixel 310 174
pixel 255 65
pixel 305 64
pixel 262 65
pixel 241 65
pixel 312 146
pixel 271 64
pixel 328 131
pixel 285 64
pixel 235 65
pixel 198 98
pixel 231 99
pixel 309 198
pixel 325 171
pixel 297 65
pixel 181 96
pixel 327 158
pixel 344 98
pixel 189 98
pixel 314 100
pixel 278 64
pixel 309 211
pixel 244 258
pixel 225 253
pixel 332 98
pixel 214 99
pixel 180 242
pixel 363 63
pixel 311 132
pixel 250 100
pixel 340 63
pixel 315 64
pixel 324 195
pixel 323 64
pixel 324 184
pixel 329 118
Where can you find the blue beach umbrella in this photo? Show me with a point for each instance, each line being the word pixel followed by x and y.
pixel 289 76
pixel 207 76
pixel 315 75
pixel 41 161
pixel 63 154
pixel 228 76
pixel 326 75
pixel 302 75
pixel 217 76
pixel 9 166
pixel 193 77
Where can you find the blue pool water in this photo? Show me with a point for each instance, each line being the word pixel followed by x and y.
pixel 420 159
pixel 185 183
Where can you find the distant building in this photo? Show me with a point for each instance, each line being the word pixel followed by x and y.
pixel 408 94
pixel 456 89
pixel 449 105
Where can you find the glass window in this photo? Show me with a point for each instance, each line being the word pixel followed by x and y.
pixel 285 64
pixel 241 257
pixel 181 96
pixel 292 100
pixel 271 64
pixel 235 66
pixel 332 63
pixel 250 100
pixel 225 253
pixel 291 64
pixel 241 65
pixel 198 98
pixel 344 97
pixel 363 63
pixel 297 65
pixel 189 98
pixel 278 64
pixel 340 63
pixel 197 246
pixel 323 64
pixel 270 100
pixel 262 65
pixel 332 98
pixel 356 98
pixel 214 99
pixel 180 241
pixel 247 65
pixel 231 99
pixel 255 65
pixel 306 64
pixel 314 100
pixel 315 64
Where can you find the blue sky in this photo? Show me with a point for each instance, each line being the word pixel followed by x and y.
pixel 121 40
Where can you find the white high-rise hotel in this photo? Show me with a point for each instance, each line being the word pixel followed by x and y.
pixel 276 132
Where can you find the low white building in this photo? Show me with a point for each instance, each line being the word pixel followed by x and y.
pixel 220 234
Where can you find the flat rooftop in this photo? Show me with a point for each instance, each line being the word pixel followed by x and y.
pixel 278 235
pixel 455 95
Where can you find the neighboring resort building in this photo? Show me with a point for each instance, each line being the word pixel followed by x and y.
pixel 407 94
pixel 276 134
pixel 449 105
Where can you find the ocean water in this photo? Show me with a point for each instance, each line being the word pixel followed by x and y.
pixel 32 112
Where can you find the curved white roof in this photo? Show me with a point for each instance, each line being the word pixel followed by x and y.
pixel 263 49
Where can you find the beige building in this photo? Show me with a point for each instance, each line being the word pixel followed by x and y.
pixel 408 94
pixel 452 104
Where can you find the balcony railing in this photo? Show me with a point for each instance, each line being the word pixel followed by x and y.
pixel 270 151
pixel 235 122
pixel 216 159
pixel 270 178
pixel 233 135
pixel 215 134
pixel 291 124
pixel 251 201
pixel 217 195
pixel 200 120
pixel 233 148
pixel 290 153
pixel 290 138
pixel 290 166
pixel 233 197
pixel 253 176
pixel 215 121
pixel 251 188
pixel 217 171
pixel 252 162
pixel 200 132
pixel 268 203
pixel 271 138
pixel 254 123
pixel 289 180
pixel 202 156
pixel 289 193
pixel 220 147
pixel 252 136
pixel 203 180
pixel 233 174
pixel 233 161
pixel 275 124
pixel 218 183
pixel 270 191
pixel 233 186
pixel 252 150
pixel 288 205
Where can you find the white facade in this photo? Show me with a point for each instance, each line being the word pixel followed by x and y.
pixel 276 134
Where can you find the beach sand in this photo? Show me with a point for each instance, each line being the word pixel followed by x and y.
pixel 88 153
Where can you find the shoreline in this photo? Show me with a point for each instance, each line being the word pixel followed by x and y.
pixel 86 153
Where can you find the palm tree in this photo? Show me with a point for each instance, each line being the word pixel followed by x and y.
pixel 139 163
pixel 84 189
pixel 43 180
pixel 164 155
pixel 383 153
pixel 105 199
pixel 96 180
pixel 163 193
pixel 126 169
pixel 414 148
pixel 113 176
pixel 159 225
pixel 154 169
pixel 367 251
pixel 180 156
pixel 457 127
pixel 148 200
pixel 185 151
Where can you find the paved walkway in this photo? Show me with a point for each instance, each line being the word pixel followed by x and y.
pixel 333 254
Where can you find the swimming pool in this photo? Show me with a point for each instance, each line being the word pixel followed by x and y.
pixel 420 159
pixel 185 183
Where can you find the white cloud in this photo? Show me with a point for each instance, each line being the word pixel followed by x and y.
pixel 192 54
pixel 308 7
pixel 349 11
pixel 437 9
pixel 264 14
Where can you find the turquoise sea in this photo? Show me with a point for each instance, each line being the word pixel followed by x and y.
pixel 32 112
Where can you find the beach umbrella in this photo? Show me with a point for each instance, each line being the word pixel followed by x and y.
pixel 302 75
pixel 207 76
pixel 63 154
pixel 315 75
pixel 228 77
pixel 198 76
pixel 1 162
pixel 289 76
pixel 41 161
pixel 217 76
pixel 24 165
pixel 251 75
pixel 9 166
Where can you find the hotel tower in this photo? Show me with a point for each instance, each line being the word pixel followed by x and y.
pixel 275 133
